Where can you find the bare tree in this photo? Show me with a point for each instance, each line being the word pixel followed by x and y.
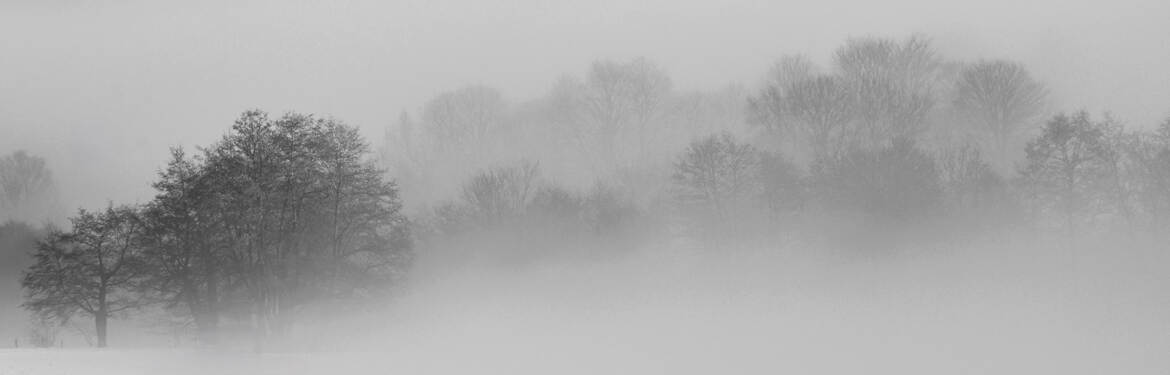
pixel 94 269
pixel 462 120
pixel 27 189
pixel 1069 168
pixel 912 62
pixel 1001 99
pixel 820 111
pixel 696 114
pixel 717 175
pixel 620 99
pixel 1149 172
pixel 502 193
pixel 770 107
pixel 892 83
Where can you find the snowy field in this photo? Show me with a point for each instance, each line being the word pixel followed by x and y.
pixel 1000 314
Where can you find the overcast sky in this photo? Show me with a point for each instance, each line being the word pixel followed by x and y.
pixel 103 88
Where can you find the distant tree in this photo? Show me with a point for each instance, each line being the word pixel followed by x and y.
pixel 792 69
pixel 616 105
pixel 880 90
pixel 501 193
pixel 696 114
pixel 817 111
pixel 17 242
pixel 899 182
pixel 1146 172
pixel 892 83
pixel 27 189
pixel 403 150
pixel 784 187
pixel 718 175
pixel 608 212
pixel 510 214
pixel 93 270
pixel 463 120
pixel 767 108
pixel 1001 99
pixel 911 63
pixel 969 183
pixel 1069 168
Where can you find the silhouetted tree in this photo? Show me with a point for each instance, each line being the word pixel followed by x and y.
pixel 93 270
pixel 280 215
pixel 187 252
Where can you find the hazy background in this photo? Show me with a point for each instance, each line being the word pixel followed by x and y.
pixel 102 88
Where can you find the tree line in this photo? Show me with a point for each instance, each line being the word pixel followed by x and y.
pixel 278 216
pixel 890 143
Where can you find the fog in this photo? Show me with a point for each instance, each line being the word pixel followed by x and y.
pixel 102 89
pixel 485 216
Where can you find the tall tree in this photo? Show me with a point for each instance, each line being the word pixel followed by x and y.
pixel 279 216
pixel 1069 168
pixel 893 85
pixel 93 270
pixel 616 105
pixel 817 111
pixel 462 120
pixel 1001 99
pixel 186 243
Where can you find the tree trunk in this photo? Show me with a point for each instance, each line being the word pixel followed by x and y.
pixel 209 330
pixel 100 319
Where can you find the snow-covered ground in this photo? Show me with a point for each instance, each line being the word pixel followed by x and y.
pixel 1023 312
pixel 177 362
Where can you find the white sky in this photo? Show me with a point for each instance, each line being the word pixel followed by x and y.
pixel 102 88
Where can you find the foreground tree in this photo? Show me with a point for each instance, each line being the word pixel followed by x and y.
pixel 279 216
pixel 186 251
pixel 92 270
